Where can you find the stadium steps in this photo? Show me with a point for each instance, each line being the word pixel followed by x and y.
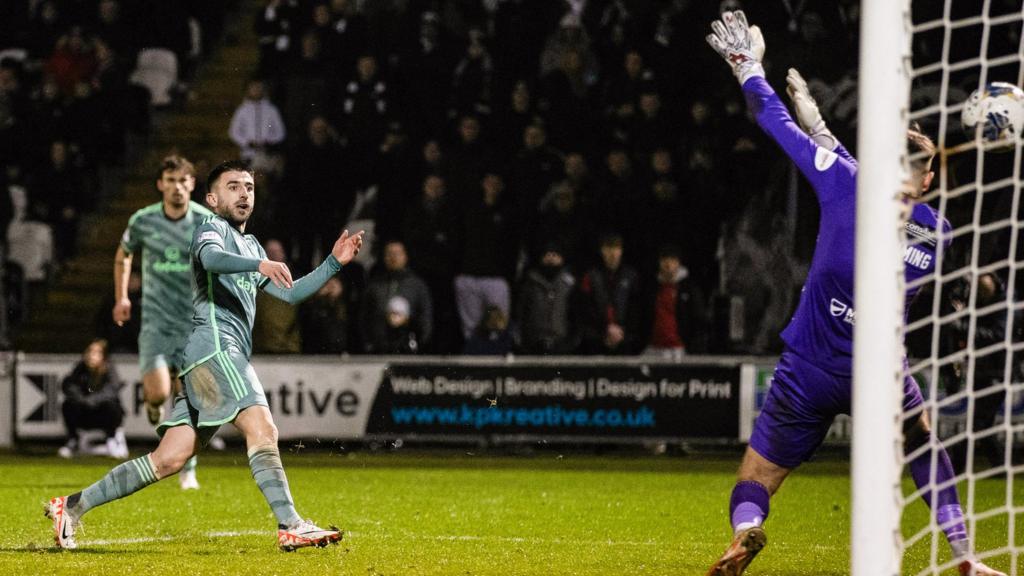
pixel 61 318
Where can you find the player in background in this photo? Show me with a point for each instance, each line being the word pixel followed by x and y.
pixel 163 231
pixel 228 267
pixel 812 381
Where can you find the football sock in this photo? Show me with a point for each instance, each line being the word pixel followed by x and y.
pixel 748 505
pixel 190 465
pixel 268 472
pixel 126 478
pixel 944 501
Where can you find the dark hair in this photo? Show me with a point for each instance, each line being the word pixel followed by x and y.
pixel 670 251
pixel 227 166
pixel 96 377
pixel 611 239
pixel 173 163
pixel 920 147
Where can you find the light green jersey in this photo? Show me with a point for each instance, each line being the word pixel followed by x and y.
pixel 224 305
pixel 166 284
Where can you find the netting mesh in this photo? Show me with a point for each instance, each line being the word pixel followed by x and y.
pixel 965 330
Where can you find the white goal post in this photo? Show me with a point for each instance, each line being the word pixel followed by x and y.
pixel 878 345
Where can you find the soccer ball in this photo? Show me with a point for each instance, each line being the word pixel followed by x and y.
pixel 998 109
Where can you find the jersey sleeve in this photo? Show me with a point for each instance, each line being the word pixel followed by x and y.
pixel 829 173
pixel 131 240
pixel 209 233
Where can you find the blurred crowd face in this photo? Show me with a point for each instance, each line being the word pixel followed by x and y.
pixel 493 187
pixel 432 153
pixel 534 137
pixel 564 198
pixel 433 187
pixel 366 66
pixel 321 16
pixel 319 131
pixel 521 98
pixel 634 64
pixel 469 130
pixel 94 356
pixel 661 161
pixel 395 258
pixel 618 163
pixel 176 187
pixel 254 90
pixel 108 11
pixel 59 154
pixel 575 167
pixel 333 289
pixel 611 255
pixel 275 250
pixel 668 266
pixel 650 104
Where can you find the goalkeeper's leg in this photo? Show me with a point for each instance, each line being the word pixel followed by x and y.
pixel 758 479
pixel 942 496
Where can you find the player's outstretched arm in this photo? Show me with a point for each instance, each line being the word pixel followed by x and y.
pixel 344 250
pixel 743 48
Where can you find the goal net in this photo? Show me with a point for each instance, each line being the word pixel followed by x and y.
pixel 962 336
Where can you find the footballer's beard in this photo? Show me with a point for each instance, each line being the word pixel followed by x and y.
pixel 236 216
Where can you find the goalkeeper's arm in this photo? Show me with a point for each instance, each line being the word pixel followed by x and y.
pixel 743 47
pixel 809 116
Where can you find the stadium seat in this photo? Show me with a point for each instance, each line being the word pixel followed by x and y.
pixel 156 69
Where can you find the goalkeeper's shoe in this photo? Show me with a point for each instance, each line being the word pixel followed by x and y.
pixel 155 414
pixel 305 534
pixel 976 568
pixel 744 547
pixel 63 523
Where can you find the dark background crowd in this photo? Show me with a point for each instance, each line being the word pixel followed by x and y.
pixel 539 176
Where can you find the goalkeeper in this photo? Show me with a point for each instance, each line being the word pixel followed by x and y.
pixel 812 380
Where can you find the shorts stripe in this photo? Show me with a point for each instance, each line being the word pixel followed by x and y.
pixel 238 377
pixel 235 388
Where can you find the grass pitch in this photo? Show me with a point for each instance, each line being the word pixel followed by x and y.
pixel 454 514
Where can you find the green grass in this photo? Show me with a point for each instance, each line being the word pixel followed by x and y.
pixel 453 513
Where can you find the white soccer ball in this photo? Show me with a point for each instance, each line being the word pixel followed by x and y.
pixel 998 109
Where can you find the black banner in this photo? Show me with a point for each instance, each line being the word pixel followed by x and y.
pixel 657 401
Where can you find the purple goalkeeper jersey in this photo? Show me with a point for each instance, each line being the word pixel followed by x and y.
pixel 821 330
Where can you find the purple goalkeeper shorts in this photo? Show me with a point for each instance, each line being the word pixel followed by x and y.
pixel 800 407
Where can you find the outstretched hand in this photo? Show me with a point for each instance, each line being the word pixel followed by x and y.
pixel 741 45
pixel 346 247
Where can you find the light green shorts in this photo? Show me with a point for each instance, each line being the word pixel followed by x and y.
pixel 159 350
pixel 215 392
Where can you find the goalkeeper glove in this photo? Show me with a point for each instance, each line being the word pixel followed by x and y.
pixel 742 46
pixel 807 113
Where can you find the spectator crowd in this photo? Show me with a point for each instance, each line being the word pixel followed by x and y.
pixel 73 94
pixel 540 176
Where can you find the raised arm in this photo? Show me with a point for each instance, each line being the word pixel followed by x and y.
pixel 743 47
pixel 345 249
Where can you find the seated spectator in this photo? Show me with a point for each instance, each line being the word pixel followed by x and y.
pixel 544 310
pixel 91 401
pixel 609 301
pixel 675 321
pixel 276 328
pixel 257 129
pixel 400 335
pixel 376 313
pixel 491 337
pixel 324 320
